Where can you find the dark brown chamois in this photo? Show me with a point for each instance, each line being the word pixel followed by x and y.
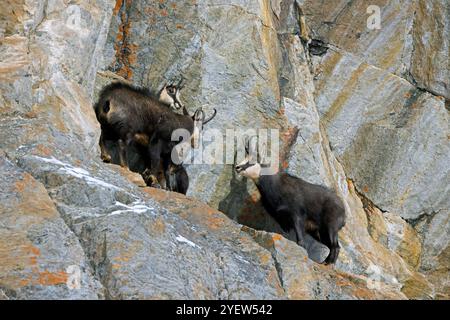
pixel 297 204
pixel 177 179
pixel 110 143
pixel 126 112
pixel 175 175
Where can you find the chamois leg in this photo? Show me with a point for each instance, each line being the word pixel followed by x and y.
pixel 330 238
pixel 299 227
pixel 182 180
pixel 104 155
pixel 122 153
pixel 162 177
pixel 150 174
pixel 167 174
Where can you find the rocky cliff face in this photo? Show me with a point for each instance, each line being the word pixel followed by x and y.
pixel 363 111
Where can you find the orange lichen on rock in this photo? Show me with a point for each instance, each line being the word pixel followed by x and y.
pixel 157 227
pixel 276 237
pixel 134 177
pixel 47 278
pixel 125 51
pixel 117 6
pixel 44 150
pixel 33 250
pixel 20 185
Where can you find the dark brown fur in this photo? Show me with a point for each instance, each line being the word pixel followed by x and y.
pixel 301 206
pixel 135 116
pixel 174 176
pixel 127 110
pixel 304 207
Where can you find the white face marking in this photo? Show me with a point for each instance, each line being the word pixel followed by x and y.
pixel 252 172
pixel 165 98
pixel 246 159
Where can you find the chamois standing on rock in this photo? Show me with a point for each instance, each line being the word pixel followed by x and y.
pixel 137 155
pixel 176 177
pixel 162 147
pixel 169 95
pixel 297 204
pixel 130 114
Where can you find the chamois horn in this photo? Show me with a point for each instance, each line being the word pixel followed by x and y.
pixel 210 118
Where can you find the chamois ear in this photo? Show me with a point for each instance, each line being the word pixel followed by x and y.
pixel 199 115
pixel 246 145
pixel 250 146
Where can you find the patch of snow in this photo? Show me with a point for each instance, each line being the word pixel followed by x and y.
pixel 241 259
pixel 182 239
pixel 80 171
pixel 52 160
pixel 136 207
pixel 77 172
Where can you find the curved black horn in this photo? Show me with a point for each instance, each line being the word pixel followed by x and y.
pixel 186 113
pixel 210 118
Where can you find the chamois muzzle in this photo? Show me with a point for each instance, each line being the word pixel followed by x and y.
pixel 242 167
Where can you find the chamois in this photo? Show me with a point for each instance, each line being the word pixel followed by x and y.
pixel 109 142
pixel 297 204
pixel 162 146
pixel 174 174
pixel 177 178
pixel 125 111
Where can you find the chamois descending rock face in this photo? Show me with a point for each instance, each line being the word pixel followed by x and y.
pixel 368 117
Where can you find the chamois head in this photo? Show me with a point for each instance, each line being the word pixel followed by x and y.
pixel 199 122
pixel 250 167
pixel 170 94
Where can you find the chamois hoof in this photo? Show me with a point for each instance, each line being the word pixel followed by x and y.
pixel 150 180
pixel 106 158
